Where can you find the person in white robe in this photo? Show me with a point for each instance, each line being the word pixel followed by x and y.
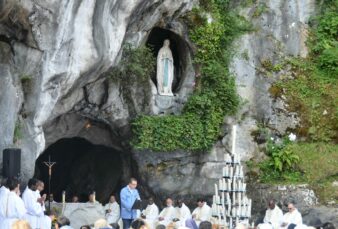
pixel 201 213
pixel 32 204
pixel 292 218
pixel 273 217
pixel 112 210
pixel 12 207
pixel 167 214
pixel 182 214
pixel 3 193
pixel 43 221
pixel 151 213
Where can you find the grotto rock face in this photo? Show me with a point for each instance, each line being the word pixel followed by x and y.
pixel 55 61
pixel 54 84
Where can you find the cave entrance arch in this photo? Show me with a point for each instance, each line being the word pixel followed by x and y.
pixel 179 49
pixel 81 167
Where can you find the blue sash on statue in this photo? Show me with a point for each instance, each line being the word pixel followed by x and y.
pixel 166 72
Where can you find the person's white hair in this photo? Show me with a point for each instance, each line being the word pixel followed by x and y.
pixel 101 223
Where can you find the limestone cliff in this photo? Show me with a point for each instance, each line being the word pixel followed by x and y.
pixel 55 56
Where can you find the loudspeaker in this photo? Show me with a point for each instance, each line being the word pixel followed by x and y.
pixel 11 159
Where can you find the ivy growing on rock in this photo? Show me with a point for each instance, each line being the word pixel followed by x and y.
pixel 213 27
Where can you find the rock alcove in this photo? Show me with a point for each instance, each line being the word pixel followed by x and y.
pixel 81 167
pixel 179 49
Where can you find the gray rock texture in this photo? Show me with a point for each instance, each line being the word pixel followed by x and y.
pixel 56 56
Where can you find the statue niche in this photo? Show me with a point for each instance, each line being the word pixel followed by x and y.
pixel 165 70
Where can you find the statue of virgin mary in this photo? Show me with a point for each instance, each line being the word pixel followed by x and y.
pixel 165 70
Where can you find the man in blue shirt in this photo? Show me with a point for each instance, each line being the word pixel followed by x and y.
pixel 128 196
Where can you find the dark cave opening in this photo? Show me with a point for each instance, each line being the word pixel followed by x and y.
pixel 81 167
pixel 179 49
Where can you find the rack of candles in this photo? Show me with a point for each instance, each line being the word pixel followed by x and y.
pixel 230 203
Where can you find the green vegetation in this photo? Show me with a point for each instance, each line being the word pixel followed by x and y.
pixel 213 27
pixel 17 131
pixel 313 91
pixel 319 165
pixel 259 10
pixel 136 65
pixel 312 163
pixel 282 164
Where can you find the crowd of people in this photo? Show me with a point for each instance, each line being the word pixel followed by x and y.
pixel 29 212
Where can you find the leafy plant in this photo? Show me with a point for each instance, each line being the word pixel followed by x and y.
pixel 17 131
pixel 136 66
pixel 213 28
pixel 281 159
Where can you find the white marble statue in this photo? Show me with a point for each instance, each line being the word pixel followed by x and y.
pixel 165 70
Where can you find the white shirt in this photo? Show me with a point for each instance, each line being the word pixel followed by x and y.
pixel 12 208
pixel 34 209
pixel 202 214
pixel 274 217
pixel 293 217
pixel 182 213
pixel 114 215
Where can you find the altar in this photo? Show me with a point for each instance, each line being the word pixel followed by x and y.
pixel 79 214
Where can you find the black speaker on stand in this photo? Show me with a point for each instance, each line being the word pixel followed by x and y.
pixel 11 161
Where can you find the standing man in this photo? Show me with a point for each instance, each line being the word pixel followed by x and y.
pixel 128 196
pixel 43 221
pixel 12 207
pixel 33 204
pixel 3 193
pixel 273 217
pixel 112 210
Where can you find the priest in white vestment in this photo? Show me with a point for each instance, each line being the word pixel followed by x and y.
pixel 292 218
pixel 200 214
pixel 44 222
pixel 3 192
pixel 150 214
pixel 273 217
pixel 32 204
pixel 182 214
pixel 112 210
pixel 12 207
pixel 167 214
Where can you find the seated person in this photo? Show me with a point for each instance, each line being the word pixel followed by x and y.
pixel 167 214
pixel 273 217
pixel 201 213
pixel 150 214
pixel 292 218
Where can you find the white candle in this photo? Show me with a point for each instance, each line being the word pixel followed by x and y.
pixel 220 184
pixel 63 197
pixel 94 197
pixel 241 172
pixel 234 127
pixel 224 184
pixel 244 186
pixel 231 172
pixel 223 172
pixel 223 200
pixel 216 190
